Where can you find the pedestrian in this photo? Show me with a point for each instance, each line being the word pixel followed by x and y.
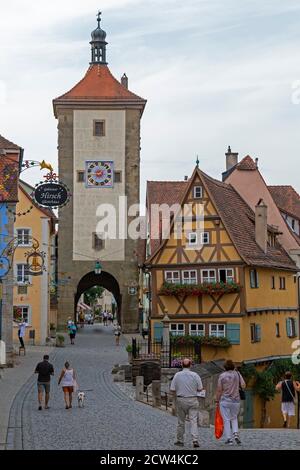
pixel 288 388
pixel 105 318
pixel 81 319
pixel 72 332
pixel 44 370
pixel 117 333
pixel 110 318
pixel 185 386
pixel 21 332
pixel 228 395
pixel 67 379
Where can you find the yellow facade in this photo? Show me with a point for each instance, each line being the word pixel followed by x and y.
pixel 33 298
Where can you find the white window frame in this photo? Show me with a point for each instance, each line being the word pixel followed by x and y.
pixel 220 333
pixel 194 234
pixel 196 188
pixel 190 279
pixel 209 278
pixel 23 282
pixel 177 332
pixel 228 278
pixel 205 235
pixel 29 236
pixel 197 332
pixel 172 280
pixel 29 321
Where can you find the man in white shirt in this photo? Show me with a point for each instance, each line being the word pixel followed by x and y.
pixel 21 332
pixel 186 385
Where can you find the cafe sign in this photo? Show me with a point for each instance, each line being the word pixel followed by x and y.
pixel 51 195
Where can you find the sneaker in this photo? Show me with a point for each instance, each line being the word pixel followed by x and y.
pixel 179 443
pixel 229 442
pixel 236 438
pixel 40 408
pixel 284 424
pixel 195 444
pixel 67 407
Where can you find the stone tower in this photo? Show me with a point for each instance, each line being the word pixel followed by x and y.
pixel 99 160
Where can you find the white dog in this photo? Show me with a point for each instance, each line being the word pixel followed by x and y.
pixel 80 398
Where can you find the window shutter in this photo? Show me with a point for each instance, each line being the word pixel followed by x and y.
pixel 233 332
pixel 258 333
pixel 158 331
pixel 288 327
pixel 296 326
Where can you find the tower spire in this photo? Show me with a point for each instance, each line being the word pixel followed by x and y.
pixel 98 43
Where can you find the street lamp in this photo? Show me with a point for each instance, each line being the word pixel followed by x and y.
pixel 98 267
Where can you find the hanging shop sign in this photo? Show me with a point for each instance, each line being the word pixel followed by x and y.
pixel 51 194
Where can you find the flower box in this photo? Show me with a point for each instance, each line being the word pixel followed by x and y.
pixel 182 290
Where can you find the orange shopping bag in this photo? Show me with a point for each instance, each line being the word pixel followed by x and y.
pixel 219 424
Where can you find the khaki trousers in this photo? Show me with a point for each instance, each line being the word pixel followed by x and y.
pixel 187 407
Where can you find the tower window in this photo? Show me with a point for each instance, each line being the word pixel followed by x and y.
pixel 98 242
pixel 80 176
pixel 118 176
pixel 99 128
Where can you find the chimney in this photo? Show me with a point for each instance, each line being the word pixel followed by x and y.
pixel 124 81
pixel 261 227
pixel 231 158
pixel 186 178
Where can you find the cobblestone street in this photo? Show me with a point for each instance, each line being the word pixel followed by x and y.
pixel 110 419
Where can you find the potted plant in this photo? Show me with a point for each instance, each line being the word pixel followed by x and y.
pixel 60 341
pixel 52 330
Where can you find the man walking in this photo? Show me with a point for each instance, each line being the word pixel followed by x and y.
pixel 44 370
pixel 185 385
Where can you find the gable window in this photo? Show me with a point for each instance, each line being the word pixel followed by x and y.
pixel 255 332
pixel 118 176
pixel 253 279
pixel 99 128
pixel 172 277
pixel 80 176
pixel 293 224
pixel 273 284
pixel 208 275
pixel 23 235
pixel 198 192
pixel 217 330
pixel 23 313
pixel 291 327
pixel 98 242
pixel 177 329
pixel 22 274
pixel 282 283
pixel 277 330
pixel 189 277
pixel 197 329
pixel 226 275
pixel 205 238
pixel 193 238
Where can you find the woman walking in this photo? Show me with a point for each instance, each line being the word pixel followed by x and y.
pixel 228 395
pixel 72 332
pixel 288 388
pixel 117 333
pixel 68 380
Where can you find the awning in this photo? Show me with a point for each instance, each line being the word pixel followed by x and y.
pixel 84 306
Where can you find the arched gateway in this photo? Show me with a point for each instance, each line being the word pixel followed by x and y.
pixel 99 161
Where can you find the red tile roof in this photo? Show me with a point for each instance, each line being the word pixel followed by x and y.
pixel 99 83
pixel 7 144
pixel 247 163
pixel 236 215
pixel 9 175
pixel 287 199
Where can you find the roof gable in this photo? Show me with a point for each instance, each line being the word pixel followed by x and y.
pixel 287 199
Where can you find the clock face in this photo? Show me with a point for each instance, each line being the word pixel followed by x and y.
pixel 99 174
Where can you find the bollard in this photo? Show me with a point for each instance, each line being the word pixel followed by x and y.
pixel 156 393
pixel 139 388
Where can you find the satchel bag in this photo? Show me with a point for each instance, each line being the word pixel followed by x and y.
pixel 288 387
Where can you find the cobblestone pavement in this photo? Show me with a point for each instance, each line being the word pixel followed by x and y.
pixel 110 419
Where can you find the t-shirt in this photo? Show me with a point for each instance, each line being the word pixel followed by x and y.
pixel 229 384
pixel 287 391
pixel 186 383
pixel 44 369
pixel 22 328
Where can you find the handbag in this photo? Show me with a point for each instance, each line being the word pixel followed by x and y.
pixel 241 391
pixel 219 423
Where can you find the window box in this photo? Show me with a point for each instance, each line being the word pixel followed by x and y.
pixel 213 341
pixel 199 289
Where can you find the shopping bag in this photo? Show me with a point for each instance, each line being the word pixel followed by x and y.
pixel 219 424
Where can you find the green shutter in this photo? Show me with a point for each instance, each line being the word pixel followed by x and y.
pixel 233 332
pixel 296 327
pixel 258 333
pixel 158 331
pixel 288 328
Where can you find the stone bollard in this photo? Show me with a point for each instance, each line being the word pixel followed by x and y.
pixel 156 393
pixel 139 388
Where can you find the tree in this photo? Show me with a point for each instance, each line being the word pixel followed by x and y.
pixel 93 294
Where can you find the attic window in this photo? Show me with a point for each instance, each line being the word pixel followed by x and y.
pixel 198 192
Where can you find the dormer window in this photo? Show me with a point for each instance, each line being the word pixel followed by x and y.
pixel 198 192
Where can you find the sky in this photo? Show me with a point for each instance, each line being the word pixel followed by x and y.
pixel 215 73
